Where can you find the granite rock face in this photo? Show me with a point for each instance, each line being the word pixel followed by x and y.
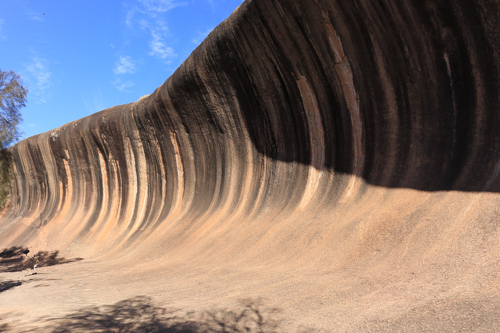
pixel 324 132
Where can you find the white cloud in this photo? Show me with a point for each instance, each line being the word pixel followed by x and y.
pixel 148 16
pixel 34 16
pixel 212 4
pixel 124 65
pixel 38 79
pixel 160 6
pixel 2 37
pixel 144 24
pixel 129 17
pixel 123 85
pixel 158 45
pixel 201 36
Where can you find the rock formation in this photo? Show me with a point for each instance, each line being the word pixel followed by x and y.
pixel 346 153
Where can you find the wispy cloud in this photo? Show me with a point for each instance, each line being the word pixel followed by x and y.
pixel 123 85
pixel 144 24
pixel 124 65
pixel 38 79
pixel 212 4
pixel 201 36
pixel 129 17
pixel 2 37
pixel 150 9
pixel 159 46
pixel 35 16
pixel 160 6
pixel 148 16
pixel 94 101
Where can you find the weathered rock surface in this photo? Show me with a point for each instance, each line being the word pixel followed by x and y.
pixel 339 158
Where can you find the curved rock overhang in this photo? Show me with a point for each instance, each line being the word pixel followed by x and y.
pixel 328 133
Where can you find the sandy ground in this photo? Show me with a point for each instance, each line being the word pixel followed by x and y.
pixel 95 296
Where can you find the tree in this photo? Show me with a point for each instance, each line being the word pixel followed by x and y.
pixel 12 98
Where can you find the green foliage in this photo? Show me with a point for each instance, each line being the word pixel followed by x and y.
pixel 12 98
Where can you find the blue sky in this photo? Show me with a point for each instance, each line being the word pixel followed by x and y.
pixel 79 57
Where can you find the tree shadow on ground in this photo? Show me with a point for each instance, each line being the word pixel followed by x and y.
pixel 16 259
pixel 138 314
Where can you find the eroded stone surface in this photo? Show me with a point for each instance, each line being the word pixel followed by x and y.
pixel 339 159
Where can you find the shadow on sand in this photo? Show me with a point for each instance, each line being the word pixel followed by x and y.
pixel 138 314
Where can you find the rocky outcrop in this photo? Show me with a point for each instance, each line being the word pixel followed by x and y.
pixel 331 133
